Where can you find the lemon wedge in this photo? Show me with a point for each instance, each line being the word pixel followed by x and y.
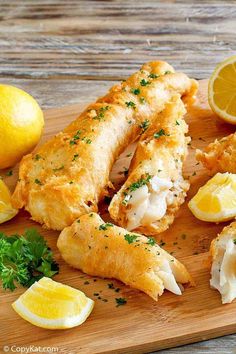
pixel 52 305
pixel 222 90
pixel 7 212
pixel 216 200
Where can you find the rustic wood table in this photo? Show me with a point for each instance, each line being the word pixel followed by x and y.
pixel 65 52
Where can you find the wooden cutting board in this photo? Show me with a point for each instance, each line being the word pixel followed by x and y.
pixel 142 325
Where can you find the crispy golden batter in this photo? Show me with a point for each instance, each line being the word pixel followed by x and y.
pixel 105 250
pixel 69 174
pixel 219 156
pixel 223 270
pixel 155 187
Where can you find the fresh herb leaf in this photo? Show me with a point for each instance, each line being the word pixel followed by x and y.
pixel 144 125
pixel 142 100
pixel 143 82
pixel 130 238
pixel 37 181
pixel 105 226
pixel 177 123
pixel 135 91
pixel 37 157
pixel 235 241
pixel 151 241
pixel 160 133
pixel 153 76
pixel 141 182
pixel 76 137
pixel 130 104
pixel 25 259
pixel 120 301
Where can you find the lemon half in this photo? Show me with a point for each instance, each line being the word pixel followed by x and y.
pixel 222 90
pixel 216 200
pixel 21 124
pixel 52 305
pixel 7 212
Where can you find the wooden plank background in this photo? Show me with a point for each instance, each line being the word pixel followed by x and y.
pixel 66 52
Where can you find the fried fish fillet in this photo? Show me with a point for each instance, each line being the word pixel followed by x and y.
pixel 69 174
pixel 223 270
pixel 219 156
pixel 155 187
pixel 105 250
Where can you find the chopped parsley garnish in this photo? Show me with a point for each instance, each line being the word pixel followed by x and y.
pixel 71 182
pixel 135 91
pixel 160 133
pixel 120 301
pixel 126 198
pixel 130 104
pixel 143 82
pixel 235 241
pixel 130 238
pixel 177 123
pixel 78 221
pixel 37 181
pixel 75 138
pixel 58 168
pixel 101 112
pixel 87 141
pixel 75 157
pixel 9 173
pixel 37 157
pixel 25 259
pixel 142 100
pixel 105 226
pixel 151 241
pixel 129 155
pixel 167 72
pixel 153 76
pixel 144 125
pixel 141 182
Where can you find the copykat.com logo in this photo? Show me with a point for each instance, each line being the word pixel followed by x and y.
pixel 29 349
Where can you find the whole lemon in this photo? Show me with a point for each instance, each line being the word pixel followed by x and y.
pixel 21 124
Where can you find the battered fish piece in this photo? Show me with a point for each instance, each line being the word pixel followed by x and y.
pixel 219 156
pixel 105 250
pixel 223 270
pixel 69 175
pixel 155 187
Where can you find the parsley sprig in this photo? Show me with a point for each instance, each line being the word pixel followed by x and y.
pixel 25 259
pixel 141 182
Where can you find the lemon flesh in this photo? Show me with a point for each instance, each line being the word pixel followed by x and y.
pixel 216 200
pixel 52 305
pixel 21 124
pixel 222 90
pixel 7 212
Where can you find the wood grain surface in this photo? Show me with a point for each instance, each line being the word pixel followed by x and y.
pixel 142 324
pixel 68 52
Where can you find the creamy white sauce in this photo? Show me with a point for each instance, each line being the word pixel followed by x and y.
pixel 149 203
pixel 223 270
